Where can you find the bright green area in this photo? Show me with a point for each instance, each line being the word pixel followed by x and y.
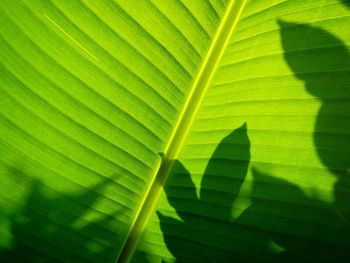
pixel 90 95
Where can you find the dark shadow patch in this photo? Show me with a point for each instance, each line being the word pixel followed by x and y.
pixel 282 224
pixel 44 228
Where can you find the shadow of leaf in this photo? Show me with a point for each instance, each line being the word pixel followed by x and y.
pixel 205 232
pixel 305 230
pixel 44 228
pixel 346 2
pixel 322 61
pixel 282 224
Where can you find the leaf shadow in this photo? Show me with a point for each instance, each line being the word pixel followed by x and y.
pixel 44 228
pixel 346 3
pixel 282 224
pixel 322 61
pixel 205 232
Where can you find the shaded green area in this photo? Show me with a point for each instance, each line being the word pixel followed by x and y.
pixel 282 224
pixel 206 234
pixel 45 227
pixel 310 51
pixel 346 2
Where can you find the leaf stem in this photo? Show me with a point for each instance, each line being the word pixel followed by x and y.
pixel 185 120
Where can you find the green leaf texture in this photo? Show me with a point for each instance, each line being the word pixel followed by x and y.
pixel 90 93
pixel 286 75
pixel 242 117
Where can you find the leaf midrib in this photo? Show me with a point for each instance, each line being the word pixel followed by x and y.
pixel 182 127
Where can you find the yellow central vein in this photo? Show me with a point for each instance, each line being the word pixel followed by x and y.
pixel 190 109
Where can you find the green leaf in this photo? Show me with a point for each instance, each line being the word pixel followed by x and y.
pixel 285 72
pixel 239 109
